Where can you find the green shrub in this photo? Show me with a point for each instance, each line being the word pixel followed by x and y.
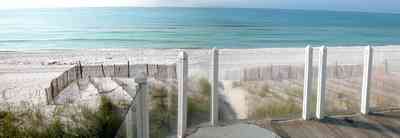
pixel 8 123
pixel 199 103
pixel 55 129
pixel 107 121
pixel 205 87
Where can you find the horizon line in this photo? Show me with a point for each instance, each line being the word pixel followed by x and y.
pixel 197 7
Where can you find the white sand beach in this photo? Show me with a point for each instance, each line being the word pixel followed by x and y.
pixel 25 73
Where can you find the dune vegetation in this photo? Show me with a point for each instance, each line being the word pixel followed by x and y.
pixel 32 122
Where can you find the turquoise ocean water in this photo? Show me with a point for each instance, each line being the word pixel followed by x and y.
pixel 193 28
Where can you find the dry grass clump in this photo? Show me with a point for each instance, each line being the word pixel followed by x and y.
pixel 164 103
pixel 161 115
pixel 296 92
pixel 28 123
pixel 199 103
pixel 382 101
pixel 275 109
pixel 261 89
pixel 341 103
pixel 276 105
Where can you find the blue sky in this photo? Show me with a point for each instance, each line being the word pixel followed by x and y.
pixel 341 5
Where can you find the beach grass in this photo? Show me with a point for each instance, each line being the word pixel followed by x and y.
pixel 163 115
pixel 103 122
pixel 160 114
pixel 276 109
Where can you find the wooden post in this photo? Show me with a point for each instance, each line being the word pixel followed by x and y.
pixel 67 72
pixel 289 75
pixel 102 70
pixel 320 112
pixel 147 70
pixel 307 83
pixel 48 95
pixel 214 86
pixel 129 75
pixel 182 99
pixel 77 72
pixel 271 73
pixel 336 70
pixel 80 70
pixel 57 88
pixel 115 73
pixel 368 53
pixel 386 67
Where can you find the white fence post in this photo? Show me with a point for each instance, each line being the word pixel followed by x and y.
pixel 214 87
pixel 142 113
pixel 307 83
pixel 368 53
pixel 320 112
pixel 182 98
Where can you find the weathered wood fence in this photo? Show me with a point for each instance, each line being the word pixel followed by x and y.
pixel 290 72
pixel 157 71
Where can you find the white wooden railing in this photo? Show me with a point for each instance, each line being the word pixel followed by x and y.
pixel 182 74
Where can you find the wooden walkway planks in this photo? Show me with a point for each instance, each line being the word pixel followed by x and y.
pixel 380 125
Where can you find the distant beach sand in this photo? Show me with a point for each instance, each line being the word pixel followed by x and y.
pixel 25 73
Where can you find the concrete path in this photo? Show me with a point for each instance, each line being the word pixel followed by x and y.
pixel 234 131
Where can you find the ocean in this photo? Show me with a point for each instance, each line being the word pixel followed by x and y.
pixel 193 28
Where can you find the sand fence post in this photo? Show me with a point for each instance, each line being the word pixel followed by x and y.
pixel 320 111
pixel 368 53
pixel 129 71
pixel 214 86
pixel 336 70
pixel 182 98
pixel 306 115
pixel 80 70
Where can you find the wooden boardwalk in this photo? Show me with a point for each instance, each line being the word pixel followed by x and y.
pixel 376 125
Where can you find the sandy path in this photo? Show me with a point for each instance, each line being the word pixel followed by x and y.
pixel 236 97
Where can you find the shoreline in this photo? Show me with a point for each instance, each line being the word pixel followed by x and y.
pixel 11 50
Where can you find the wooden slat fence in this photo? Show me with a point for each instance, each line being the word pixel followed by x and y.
pixel 290 72
pixel 156 71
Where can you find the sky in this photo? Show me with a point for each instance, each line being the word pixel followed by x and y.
pixel 392 6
